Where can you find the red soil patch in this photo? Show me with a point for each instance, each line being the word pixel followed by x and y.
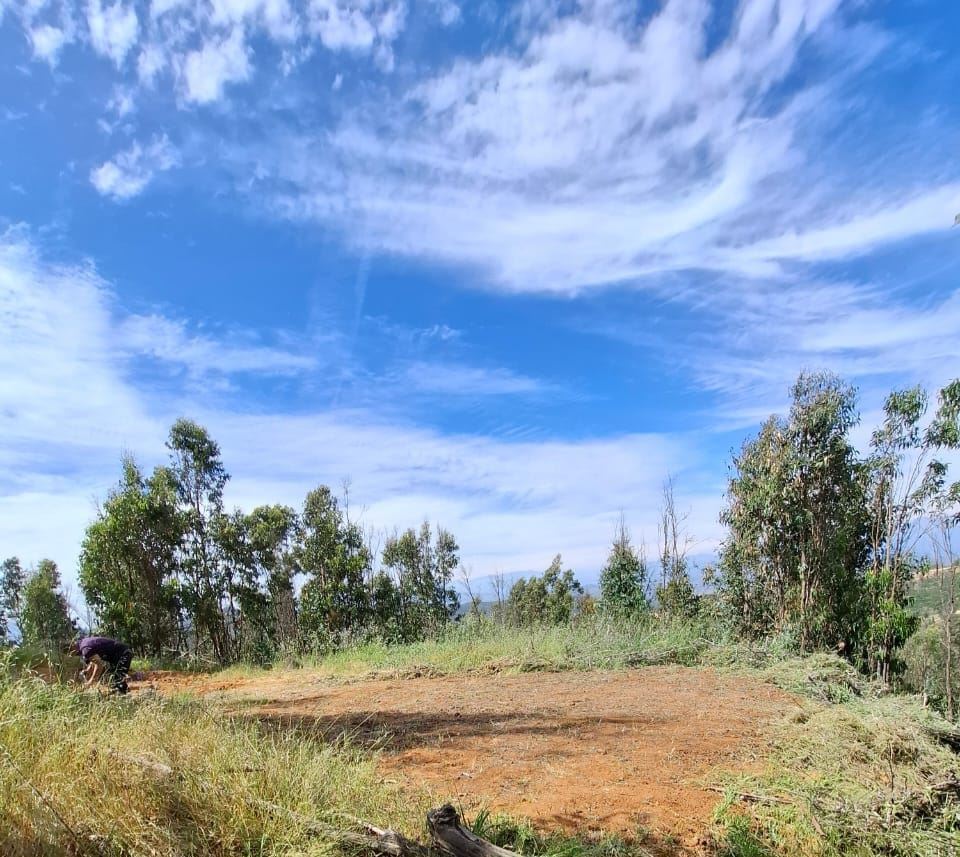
pixel 597 750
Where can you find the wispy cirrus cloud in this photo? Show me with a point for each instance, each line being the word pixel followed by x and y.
pixel 171 341
pixel 878 338
pixel 607 149
pixel 451 379
pixel 686 136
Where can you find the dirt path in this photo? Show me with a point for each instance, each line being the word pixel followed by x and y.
pixel 615 751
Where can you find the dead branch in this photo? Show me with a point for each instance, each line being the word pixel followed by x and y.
pixel 749 797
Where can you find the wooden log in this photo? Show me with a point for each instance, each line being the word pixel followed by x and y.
pixel 452 837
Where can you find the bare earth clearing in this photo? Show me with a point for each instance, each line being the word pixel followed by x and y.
pixel 579 751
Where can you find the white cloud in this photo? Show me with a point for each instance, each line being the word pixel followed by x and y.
pixel 219 62
pixel 122 102
pixel 450 379
pixel 133 169
pixel 61 390
pixel 391 21
pixel 150 63
pixel 113 29
pixel 276 16
pixel 337 82
pixel 512 505
pixel 863 230
pixel 355 26
pixel 47 42
pixel 209 45
pixel 170 341
pixel 447 11
pixel 341 25
pixel 70 403
pixel 665 142
pixel 871 336
pixel 158 8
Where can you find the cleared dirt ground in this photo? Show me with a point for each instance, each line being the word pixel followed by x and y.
pixel 613 751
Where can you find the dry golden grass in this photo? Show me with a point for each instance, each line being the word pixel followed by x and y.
pixel 84 773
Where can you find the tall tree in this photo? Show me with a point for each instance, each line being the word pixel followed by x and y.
pixel 796 547
pixel 242 606
pixel 623 580
pixel 906 482
pixel 675 595
pixel 12 578
pixel 128 560
pixel 45 617
pixel 273 531
pixel 200 479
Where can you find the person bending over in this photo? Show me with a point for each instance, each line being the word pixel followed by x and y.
pixel 104 654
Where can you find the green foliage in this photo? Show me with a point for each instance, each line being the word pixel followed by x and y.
pixel 200 478
pixel 128 560
pixel 623 580
pixel 424 572
pixel 905 483
pixel 12 578
pixel 273 532
pixel 548 599
pixel 167 568
pixel 863 775
pixel 45 617
pixel 794 556
pixel 331 550
pixel 520 836
pixel 926 594
pixel 589 643
pixel 925 660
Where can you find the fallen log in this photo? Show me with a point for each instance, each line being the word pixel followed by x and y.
pixel 452 837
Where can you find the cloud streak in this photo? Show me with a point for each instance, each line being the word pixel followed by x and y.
pixel 129 172
pixel 605 151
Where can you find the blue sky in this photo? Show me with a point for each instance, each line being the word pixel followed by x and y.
pixel 502 266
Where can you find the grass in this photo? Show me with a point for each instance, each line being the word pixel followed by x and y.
pixel 87 774
pixel 81 773
pixel 854 771
pixel 596 643
pixel 926 595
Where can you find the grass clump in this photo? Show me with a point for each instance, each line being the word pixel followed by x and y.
pixel 80 773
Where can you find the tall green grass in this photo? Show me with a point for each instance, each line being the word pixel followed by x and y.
pixel 481 645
